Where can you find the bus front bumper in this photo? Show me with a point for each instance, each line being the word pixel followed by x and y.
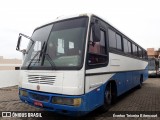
pixel 68 105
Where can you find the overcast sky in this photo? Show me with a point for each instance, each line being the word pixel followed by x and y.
pixel 138 19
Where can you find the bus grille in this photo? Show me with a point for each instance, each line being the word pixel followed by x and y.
pixel 41 79
pixel 39 97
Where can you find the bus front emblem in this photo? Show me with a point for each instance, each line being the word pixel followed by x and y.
pixel 38 87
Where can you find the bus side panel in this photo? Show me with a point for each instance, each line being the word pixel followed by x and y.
pixel 95 98
pixel 124 81
pixel 94 89
pixel 136 78
pixel 121 85
pixel 128 80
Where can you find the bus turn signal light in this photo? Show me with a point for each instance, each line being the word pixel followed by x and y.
pixel 23 93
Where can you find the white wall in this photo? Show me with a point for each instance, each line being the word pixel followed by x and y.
pixel 9 78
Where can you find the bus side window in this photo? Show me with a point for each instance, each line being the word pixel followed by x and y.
pixel 140 53
pixel 97 50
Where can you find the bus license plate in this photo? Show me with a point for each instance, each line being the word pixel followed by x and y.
pixel 37 103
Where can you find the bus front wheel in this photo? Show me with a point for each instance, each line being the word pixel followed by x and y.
pixel 107 99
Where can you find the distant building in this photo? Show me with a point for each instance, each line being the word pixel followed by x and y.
pixel 152 53
pixel 9 64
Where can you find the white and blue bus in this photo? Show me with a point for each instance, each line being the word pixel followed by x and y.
pixel 76 64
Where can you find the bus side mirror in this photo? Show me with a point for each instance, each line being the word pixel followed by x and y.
pixel 96 32
pixel 18 43
pixel 22 48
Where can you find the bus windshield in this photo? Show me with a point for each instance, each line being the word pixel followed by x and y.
pixel 60 43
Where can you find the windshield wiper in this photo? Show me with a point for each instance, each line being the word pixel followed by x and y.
pixel 36 55
pixel 50 61
pixel 33 59
pixel 41 52
pixel 48 56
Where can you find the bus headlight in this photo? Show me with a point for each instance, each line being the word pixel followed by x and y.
pixel 23 93
pixel 67 101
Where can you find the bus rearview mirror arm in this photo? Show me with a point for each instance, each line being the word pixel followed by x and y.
pixel 18 43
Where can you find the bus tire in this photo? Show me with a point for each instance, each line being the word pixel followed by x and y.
pixel 140 82
pixel 107 99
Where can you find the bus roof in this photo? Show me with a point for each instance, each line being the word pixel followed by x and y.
pixel 89 15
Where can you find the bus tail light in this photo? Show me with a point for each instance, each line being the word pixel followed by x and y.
pixel 67 101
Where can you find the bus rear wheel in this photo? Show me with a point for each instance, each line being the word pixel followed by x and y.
pixel 140 82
